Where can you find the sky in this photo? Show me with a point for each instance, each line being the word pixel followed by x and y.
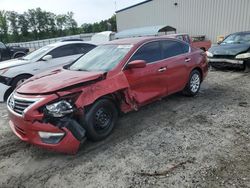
pixel 86 11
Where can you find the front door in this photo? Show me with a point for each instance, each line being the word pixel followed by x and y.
pixel 148 83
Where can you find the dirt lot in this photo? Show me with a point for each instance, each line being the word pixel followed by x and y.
pixel 177 142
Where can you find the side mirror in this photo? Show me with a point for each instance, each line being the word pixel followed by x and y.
pixel 137 64
pixel 47 58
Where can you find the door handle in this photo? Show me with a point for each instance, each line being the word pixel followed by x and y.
pixel 187 60
pixel 162 69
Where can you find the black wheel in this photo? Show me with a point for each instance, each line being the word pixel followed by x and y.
pixel 193 85
pixel 247 66
pixel 19 80
pixel 100 119
pixel 19 55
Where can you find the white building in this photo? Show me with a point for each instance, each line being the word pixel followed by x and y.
pixel 212 18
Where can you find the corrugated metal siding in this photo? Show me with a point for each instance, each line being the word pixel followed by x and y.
pixel 196 17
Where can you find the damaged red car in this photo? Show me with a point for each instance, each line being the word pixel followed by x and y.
pixel 58 109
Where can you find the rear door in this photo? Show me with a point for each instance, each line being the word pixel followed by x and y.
pixel 177 57
pixel 149 83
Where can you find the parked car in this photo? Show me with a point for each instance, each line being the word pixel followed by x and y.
pixel 14 72
pixel 11 52
pixel 197 42
pixel 58 109
pixel 233 51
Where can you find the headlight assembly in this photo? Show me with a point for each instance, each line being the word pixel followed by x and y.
pixel 243 56
pixel 59 109
pixel 209 54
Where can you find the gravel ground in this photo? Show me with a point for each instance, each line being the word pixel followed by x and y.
pixel 176 142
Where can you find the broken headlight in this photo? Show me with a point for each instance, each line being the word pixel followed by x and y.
pixel 59 109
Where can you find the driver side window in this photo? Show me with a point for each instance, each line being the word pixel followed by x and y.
pixel 149 52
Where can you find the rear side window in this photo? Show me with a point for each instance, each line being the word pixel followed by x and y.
pixel 149 52
pixel 83 48
pixel 172 48
pixel 62 51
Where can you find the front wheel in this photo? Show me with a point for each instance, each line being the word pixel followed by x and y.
pixel 194 83
pixel 100 119
pixel 19 80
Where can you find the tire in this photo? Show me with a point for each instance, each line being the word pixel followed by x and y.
pixel 193 85
pixel 100 119
pixel 19 55
pixel 247 66
pixel 18 80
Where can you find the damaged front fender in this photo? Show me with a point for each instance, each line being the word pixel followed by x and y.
pixel 108 86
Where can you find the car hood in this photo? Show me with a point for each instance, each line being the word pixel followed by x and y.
pixel 12 63
pixel 52 81
pixel 229 49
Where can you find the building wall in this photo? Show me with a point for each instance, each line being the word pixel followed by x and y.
pixel 196 17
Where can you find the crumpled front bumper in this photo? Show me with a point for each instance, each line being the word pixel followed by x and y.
pixel 225 62
pixel 28 131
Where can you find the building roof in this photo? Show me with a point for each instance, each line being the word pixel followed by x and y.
pixel 139 40
pixel 144 31
pixel 133 6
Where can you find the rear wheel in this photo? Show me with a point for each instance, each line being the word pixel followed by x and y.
pixel 19 55
pixel 100 119
pixel 194 83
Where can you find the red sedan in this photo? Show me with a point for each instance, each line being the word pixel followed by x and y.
pixel 58 109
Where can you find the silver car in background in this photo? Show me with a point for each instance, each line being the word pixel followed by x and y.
pixel 16 71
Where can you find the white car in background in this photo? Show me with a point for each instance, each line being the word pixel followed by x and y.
pixel 16 71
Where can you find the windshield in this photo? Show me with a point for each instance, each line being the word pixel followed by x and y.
pixel 102 58
pixel 239 38
pixel 37 53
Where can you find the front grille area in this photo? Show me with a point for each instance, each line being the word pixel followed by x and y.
pixel 224 56
pixel 19 105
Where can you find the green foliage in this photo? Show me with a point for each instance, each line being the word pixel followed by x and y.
pixel 100 26
pixel 36 24
pixel 3 26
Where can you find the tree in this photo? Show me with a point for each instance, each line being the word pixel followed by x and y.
pixel 71 24
pixel 13 20
pixel 23 24
pixel 100 26
pixel 3 26
pixel 60 23
pixel 37 24
pixel 31 17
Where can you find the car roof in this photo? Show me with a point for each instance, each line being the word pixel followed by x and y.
pixel 241 32
pixel 138 40
pixel 57 44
